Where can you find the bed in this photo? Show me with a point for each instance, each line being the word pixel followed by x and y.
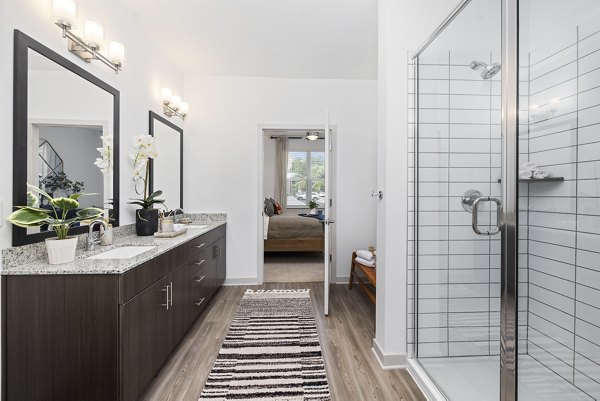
pixel 287 233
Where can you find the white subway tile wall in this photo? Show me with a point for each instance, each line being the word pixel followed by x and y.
pixel 559 248
pixel 564 218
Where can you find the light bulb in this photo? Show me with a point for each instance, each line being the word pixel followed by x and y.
pixel 65 12
pixel 166 94
pixel 184 108
pixel 93 34
pixel 312 136
pixel 175 102
pixel 116 52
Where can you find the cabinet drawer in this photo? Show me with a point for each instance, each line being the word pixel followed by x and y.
pixel 143 276
pixel 202 286
pixel 194 247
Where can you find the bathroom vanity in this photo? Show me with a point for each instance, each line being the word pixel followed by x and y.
pixel 100 329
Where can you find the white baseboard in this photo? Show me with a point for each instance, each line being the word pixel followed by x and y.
pixel 241 281
pixel 388 361
pixel 429 389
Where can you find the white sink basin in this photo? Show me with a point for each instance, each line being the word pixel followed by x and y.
pixel 124 252
pixel 198 226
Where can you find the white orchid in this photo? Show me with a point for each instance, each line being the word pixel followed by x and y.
pixel 105 161
pixel 107 140
pixel 142 150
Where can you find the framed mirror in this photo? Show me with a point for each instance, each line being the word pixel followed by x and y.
pixel 62 116
pixel 166 171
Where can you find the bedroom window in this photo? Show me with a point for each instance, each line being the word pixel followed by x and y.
pixel 305 178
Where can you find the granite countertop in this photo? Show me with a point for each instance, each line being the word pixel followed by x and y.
pixel 81 265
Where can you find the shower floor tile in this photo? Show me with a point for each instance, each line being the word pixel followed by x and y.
pixel 478 379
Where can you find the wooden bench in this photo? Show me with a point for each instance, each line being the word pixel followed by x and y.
pixel 370 274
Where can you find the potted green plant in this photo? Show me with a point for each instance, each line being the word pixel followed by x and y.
pixel 312 205
pixel 146 218
pixel 62 248
pixel 60 181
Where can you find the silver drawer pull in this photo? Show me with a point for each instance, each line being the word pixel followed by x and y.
pixel 200 301
pixel 166 289
pixel 199 263
pixel 200 279
pixel 199 246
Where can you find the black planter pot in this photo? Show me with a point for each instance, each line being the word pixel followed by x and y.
pixel 146 222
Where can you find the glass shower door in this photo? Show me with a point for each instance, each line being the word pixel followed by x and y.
pixel 457 156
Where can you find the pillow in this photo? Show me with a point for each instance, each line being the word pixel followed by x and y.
pixel 278 208
pixel 269 207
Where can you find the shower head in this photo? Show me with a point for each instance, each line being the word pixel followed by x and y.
pixel 489 70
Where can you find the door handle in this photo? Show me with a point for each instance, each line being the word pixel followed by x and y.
pixel 475 215
pixel 199 263
pixel 199 246
pixel 198 281
pixel 328 221
pixel 199 302
pixel 166 289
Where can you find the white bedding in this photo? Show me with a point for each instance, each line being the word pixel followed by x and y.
pixel 265 225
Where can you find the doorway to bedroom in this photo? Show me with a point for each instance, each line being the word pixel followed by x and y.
pixel 294 198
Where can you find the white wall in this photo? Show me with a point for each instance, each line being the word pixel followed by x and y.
pixel 147 69
pixel 403 26
pixel 223 139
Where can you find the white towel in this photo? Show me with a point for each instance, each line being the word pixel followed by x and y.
pixel 370 263
pixel 525 174
pixel 528 166
pixel 265 225
pixel 367 255
pixel 540 173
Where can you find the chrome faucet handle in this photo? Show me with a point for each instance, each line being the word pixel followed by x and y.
pixel 175 218
pixel 91 242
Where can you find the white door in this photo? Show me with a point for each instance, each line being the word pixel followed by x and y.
pixel 328 216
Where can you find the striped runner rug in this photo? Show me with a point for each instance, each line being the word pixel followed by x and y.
pixel 272 351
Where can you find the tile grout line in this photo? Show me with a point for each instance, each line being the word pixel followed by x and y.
pixel 490 220
pixel 448 204
pixel 576 206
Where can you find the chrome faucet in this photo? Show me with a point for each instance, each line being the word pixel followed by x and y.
pixel 175 218
pixel 91 242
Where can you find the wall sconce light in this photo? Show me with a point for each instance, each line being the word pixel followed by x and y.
pixel 172 104
pixel 312 136
pixel 87 47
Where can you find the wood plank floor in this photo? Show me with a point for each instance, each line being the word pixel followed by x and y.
pixel 346 338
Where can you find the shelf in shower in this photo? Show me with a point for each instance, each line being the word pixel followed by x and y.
pixel 547 179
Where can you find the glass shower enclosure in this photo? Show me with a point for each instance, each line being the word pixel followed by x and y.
pixel 504 279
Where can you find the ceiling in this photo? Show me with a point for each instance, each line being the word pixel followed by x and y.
pixel 269 38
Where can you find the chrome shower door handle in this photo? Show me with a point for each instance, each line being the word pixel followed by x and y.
pixel 475 215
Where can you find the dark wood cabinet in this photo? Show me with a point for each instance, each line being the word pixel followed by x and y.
pixel 140 341
pixel 105 337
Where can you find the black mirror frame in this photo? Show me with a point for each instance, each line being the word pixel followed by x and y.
pixel 22 44
pixel 154 116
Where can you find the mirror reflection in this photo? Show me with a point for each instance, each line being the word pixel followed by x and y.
pixel 167 167
pixel 70 141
